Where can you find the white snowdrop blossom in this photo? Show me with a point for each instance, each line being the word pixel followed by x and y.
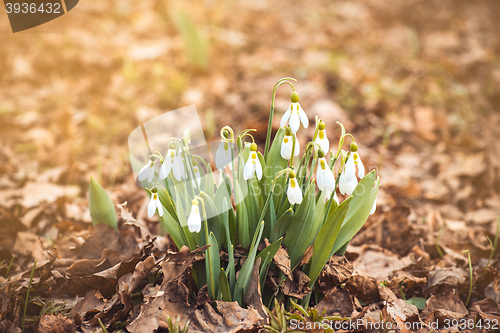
pixel 324 175
pixel 287 146
pixel 357 160
pixel 348 180
pixel 154 203
pixel 321 139
pixel 147 172
pixel 295 114
pixel 252 166
pixel 172 162
pixel 197 173
pixel 359 164
pixel 194 219
pixel 223 155
pixel 293 193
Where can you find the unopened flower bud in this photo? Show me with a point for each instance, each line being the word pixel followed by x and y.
pixel 294 97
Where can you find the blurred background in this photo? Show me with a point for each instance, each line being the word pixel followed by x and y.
pixel 416 82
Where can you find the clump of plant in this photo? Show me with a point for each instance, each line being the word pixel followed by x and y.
pixel 284 193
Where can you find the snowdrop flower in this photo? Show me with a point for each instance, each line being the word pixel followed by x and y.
pixel 180 156
pixel 154 203
pixel 295 114
pixel 324 175
pixel 374 207
pixel 194 219
pixel 348 180
pixel 171 163
pixel 197 173
pixel 293 193
pixel 147 171
pixel 357 160
pixel 252 166
pixel 223 155
pixel 321 139
pixel 287 145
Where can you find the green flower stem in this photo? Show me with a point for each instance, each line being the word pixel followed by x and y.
pixel 271 114
pixel 28 294
pixel 263 213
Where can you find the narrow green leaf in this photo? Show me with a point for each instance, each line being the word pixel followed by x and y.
pixel 325 240
pixel 167 201
pixel 170 225
pixel 213 266
pixel 299 231
pixel 361 204
pixel 243 280
pixel 281 226
pixel 102 208
pixel 224 286
pixel 230 248
pixel 241 218
pixel 209 184
pixel 267 256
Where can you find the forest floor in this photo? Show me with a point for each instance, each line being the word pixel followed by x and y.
pixel 416 82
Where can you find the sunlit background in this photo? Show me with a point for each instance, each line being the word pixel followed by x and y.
pixel 417 83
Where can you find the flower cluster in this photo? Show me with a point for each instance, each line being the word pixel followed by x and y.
pixel 247 203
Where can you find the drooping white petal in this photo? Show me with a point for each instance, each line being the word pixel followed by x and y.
pixel 197 174
pixel 359 163
pixel 346 186
pixel 329 179
pixel 249 169
pixel 297 148
pixel 324 176
pixel 294 194
pixel 194 219
pixel 223 155
pixel 183 166
pixel 286 147
pixel 147 171
pixel 374 207
pixel 153 203
pixel 322 141
pixel 303 117
pixel 320 179
pixel 286 115
pixel 349 186
pixel 178 167
pixel 294 121
pixel 258 169
pixel 159 206
pixel 350 169
pixel 168 162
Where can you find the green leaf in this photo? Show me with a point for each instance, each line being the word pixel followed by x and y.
pixel 209 185
pixel 325 240
pixel 213 221
pixel 173 227
pixel 213 266
pixel 167 201
pixel 361 204
pixel 267 256
pixel 241 218
pixel 102 208
pixel 419 302
pixel 241 287
pixel 230 248
pixel 224 286
pixel 281 226
pixel 300 228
